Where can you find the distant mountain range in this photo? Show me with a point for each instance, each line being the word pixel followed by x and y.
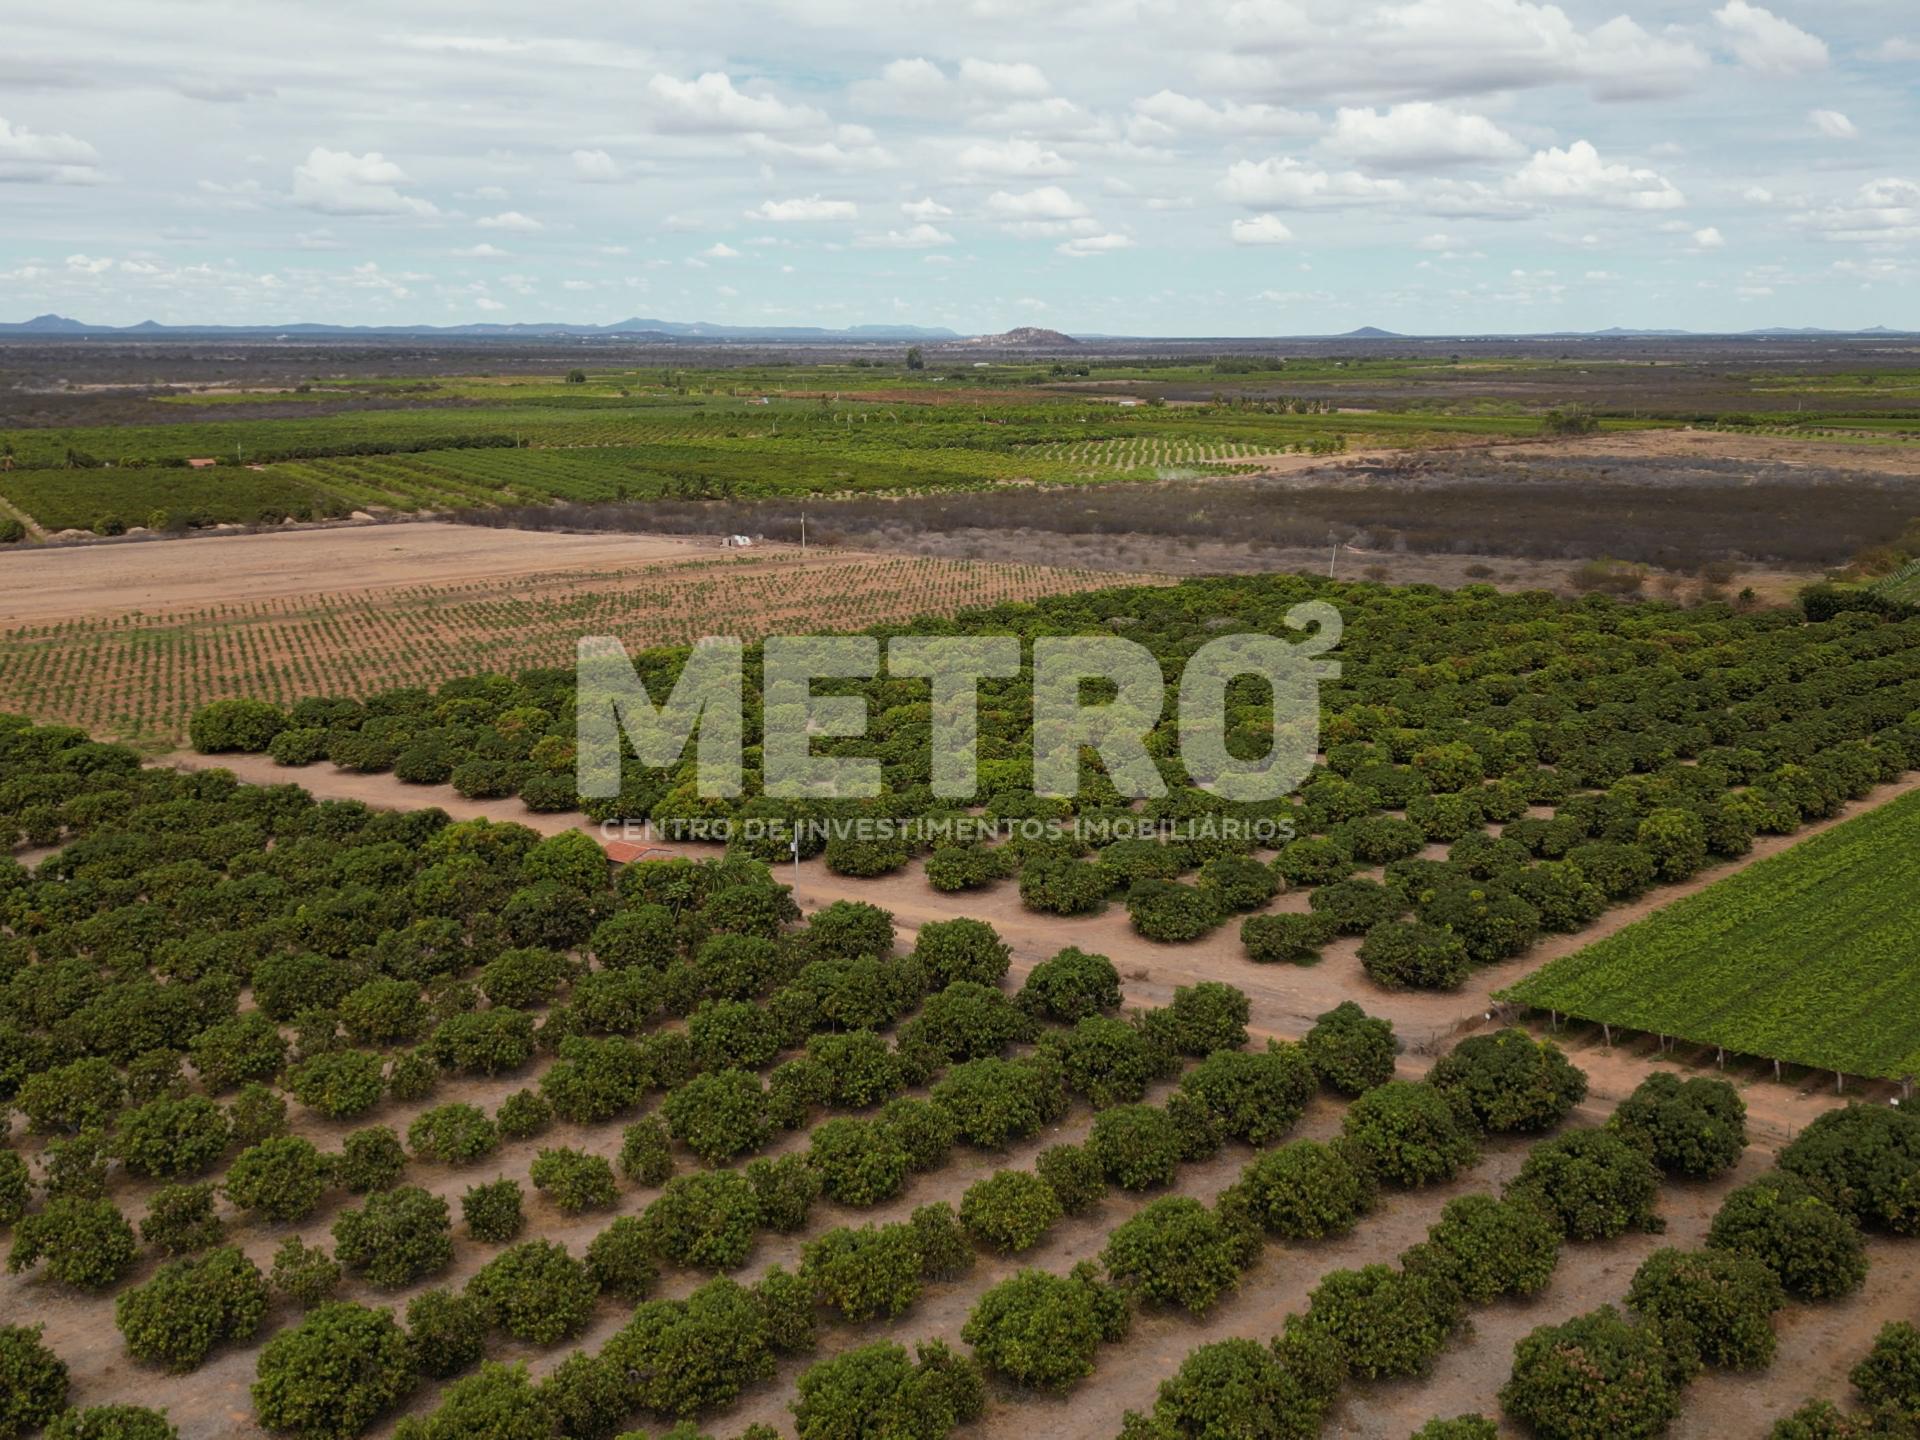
pixel 638 329
pixel 634 329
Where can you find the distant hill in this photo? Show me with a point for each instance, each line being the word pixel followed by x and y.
pixel 1025 335
pixel 631 329
pixel 1370 332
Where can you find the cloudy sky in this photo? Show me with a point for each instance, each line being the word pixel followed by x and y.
pixel 1212 167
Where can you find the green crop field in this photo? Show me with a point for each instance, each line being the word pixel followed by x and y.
pixel 1811 957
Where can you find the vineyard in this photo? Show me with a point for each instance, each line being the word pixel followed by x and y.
pixel 522 1144
pixel 142 675
pixel 1810 957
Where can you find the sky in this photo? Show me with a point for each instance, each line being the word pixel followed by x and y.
pixel 1130 167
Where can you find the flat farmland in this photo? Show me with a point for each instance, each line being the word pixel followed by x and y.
pixel 129 640
pixel 1810 957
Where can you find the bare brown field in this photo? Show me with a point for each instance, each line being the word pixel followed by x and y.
pixel 349 612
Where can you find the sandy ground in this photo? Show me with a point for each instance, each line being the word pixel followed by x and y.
pixel 1876 457
pixel 37 586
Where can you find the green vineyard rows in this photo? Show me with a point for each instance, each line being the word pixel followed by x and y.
pixel 1810 957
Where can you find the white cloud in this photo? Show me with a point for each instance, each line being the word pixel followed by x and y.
pixel 923 236
pixel 1578 174
pixel 30 157
pixel 1018 80
pixel 1881 212
pixel 1898 50
pixel 906 84
pixel 510 220
pixel 853 147
pixel 338 182
pixel 1418 135
pixel 720 250
pixel 1012 158
pixel 711 104
pixel 1261 230
pixel 1833 125
pixel 1085 245
pixel 482 251
pixel 488 303
pixel 1045 202
pixel 811 207
pixel 1709 238
pixel 926 209
pixel 1438 243
pixel 1758 194
pixel 595 167
pixel 1446 49
pixel 1762 41
pixel 1167 114
pixel 1293 184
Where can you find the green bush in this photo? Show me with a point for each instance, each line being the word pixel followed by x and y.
pixel 1459 1427
pixel 447 1332
pixel 339 1084
pixel 384 1012
pixel 238 1049
pixel 877 1390
pixel 1595 1375
pixel 734 1033
pixel 1389 1323
pixel 862 1069
pixel 492 1211
pixel 1696 1128
pixel 228 725
pixel 1780 1221
pixel 1043 1330
pixel 112 1422
pixel 87 1244
pixel 483 1042
pixel 1507 1081
pixel 456 1134
pixel 1108 1061
pixel 190 1307
pixel 1413 954
pixel 1075 1176
pixel 369 1159
pixel 334 1374
pixel 860 1163
pixel 33 1381
pixel 1305 1190
pixel 1176 1251
pixel 866 1273
pixel 1255 1096
pixel 1595 1183
pixel 304 1273
pixel 995 1102
pixel 257 1114
pixel 399 1237
pixel 1206 1017
pixel 1242 1388
pixel 1865 1160
pixel 1408 1135
pixel 685 1356
pixel 1010 1210
pixel 646 1154
pixel 1888 1380
pixel 621 1261
pixel 967 1021
pixel 955 950
pixel 705 1219
pixel 1350 1051
pixel 536 1292
pixel 1290 939
pixel 573 1180
pixel 1136 1146
pixel 1071 986
pixel 1172 913
pixel 785 1190
pixel 180 1219
pixel 82 1095
pixel 1488 1248
pixel 1714 1307
pixel 16 1185
pixel 496 1400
